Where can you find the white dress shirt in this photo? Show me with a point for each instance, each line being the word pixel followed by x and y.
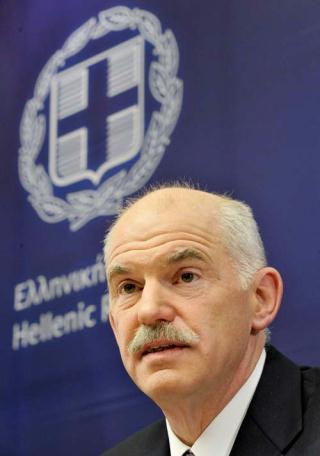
pixel 218 438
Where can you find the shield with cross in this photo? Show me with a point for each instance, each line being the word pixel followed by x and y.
pixel 97 114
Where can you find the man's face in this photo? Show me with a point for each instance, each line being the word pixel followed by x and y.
pixel 169 264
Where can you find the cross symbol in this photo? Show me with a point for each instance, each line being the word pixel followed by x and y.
pixel 94 117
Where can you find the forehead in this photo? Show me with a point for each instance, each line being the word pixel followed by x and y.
pixel 155 226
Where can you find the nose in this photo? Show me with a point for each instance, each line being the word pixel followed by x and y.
pixel 155 304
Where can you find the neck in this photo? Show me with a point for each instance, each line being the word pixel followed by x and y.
pixel 190 415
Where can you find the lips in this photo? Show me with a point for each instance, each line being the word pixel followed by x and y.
pixel 156 347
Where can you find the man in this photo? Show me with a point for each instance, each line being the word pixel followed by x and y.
pixel 191 298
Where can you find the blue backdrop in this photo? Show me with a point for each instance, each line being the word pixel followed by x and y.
pixel 99 98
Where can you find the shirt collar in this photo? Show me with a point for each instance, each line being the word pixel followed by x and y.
pixel 218 438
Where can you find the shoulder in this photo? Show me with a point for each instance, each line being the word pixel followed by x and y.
pixel 284 414
pixel 305 379
pixel 150 440
pixel 310 378
pixel 300 385
pixel 309 441
pixel 311 392
pixel 278 364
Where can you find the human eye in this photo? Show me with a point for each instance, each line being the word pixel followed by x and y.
pixel 186 276
pixel 127 288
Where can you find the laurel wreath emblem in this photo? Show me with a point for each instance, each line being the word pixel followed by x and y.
pixel 81 207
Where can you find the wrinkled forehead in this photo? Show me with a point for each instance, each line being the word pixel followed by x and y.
pixel 188 212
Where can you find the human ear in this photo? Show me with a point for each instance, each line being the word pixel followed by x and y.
pixel 267 289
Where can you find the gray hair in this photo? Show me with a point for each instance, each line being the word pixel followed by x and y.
pixel 242 238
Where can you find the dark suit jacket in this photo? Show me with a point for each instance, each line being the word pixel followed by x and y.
pixel 283 417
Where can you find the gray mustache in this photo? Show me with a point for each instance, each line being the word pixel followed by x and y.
pixel 148 334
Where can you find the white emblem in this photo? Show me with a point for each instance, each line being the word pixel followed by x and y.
pixel 124 138
pixel 124 129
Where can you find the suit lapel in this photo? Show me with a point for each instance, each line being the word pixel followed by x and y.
pixel 274 417
pixel 251 441
pixel 154 442
pixel 150 441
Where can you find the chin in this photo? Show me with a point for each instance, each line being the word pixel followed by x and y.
pixel 162 385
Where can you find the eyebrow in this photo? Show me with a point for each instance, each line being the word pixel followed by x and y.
pixel 180 255
pixel 185 253
pixel 117 270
